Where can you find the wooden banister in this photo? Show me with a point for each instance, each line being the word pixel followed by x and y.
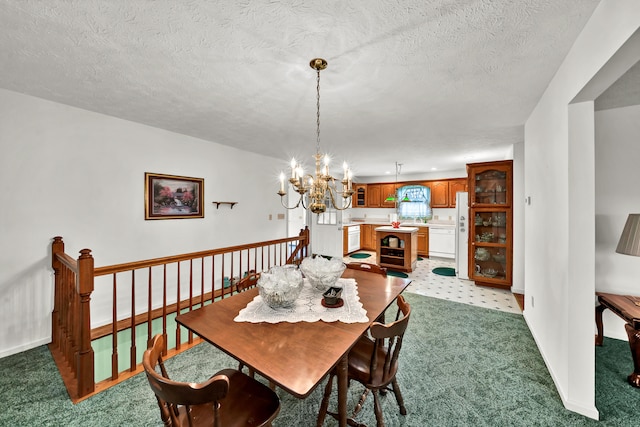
pixel 192 280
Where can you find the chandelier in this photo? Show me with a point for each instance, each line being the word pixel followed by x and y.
pixel 316 191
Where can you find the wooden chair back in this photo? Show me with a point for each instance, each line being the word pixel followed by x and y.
pixel 387 344
pixel 364 266
pixel 248 281
pixel 373 362
pixel 229 398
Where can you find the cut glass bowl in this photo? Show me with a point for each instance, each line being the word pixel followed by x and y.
pixel 280 286
pixel 321 272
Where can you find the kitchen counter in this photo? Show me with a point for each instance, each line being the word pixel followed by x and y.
pixel 397 248
pixel 403 224
pixel 401 229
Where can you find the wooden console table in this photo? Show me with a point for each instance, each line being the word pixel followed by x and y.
pixel 625 307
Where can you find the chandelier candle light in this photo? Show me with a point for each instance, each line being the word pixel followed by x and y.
pixel 321 186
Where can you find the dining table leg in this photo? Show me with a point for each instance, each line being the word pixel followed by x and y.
pixel 343 385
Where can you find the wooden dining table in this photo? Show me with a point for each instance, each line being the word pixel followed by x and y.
pixel 294 356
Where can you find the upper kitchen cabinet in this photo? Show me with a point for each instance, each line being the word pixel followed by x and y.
pixel 439 194
pixel 388 196
pixel 374 195
pixel 456 186
pixel 359 198
pixel 490 183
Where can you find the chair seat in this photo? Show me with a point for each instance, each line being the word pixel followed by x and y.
pixel 360 368
pixel 227 399
pixel 245 392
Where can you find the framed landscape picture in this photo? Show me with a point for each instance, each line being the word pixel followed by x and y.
pixel 172 197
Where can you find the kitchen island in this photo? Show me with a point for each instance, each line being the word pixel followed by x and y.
pixel 397 248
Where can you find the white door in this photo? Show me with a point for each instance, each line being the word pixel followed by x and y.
pixel 326 233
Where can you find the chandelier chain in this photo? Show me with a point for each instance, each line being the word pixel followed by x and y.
pixel 318 190
pixel 318 112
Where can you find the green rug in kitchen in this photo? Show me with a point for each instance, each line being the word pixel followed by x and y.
pixel 360 255
pixel 397 273
pixel 444 271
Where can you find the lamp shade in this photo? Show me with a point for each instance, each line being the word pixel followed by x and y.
pixel 629 243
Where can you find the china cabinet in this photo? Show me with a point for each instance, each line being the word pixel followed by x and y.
pixel 490 223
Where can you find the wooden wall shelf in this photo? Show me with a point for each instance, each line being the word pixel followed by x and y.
pixel 224 203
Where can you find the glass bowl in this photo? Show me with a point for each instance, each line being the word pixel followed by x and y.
pixel 321 272
pixel 280 286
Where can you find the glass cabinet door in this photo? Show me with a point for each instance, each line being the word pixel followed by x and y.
pixel 490 187
pixel 490 239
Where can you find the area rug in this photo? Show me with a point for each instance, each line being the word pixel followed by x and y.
pixel 444 271
pixel 397 273
pixel 360 255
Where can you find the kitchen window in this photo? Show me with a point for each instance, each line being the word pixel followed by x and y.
pixel 414 202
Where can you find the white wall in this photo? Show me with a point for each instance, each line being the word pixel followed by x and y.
pixel 517 275
pixel 80 175
pixel 559 178
pixel 617 175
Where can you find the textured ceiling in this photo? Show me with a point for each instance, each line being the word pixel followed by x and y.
pixel 430 84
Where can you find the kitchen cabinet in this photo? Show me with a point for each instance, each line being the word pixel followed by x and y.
pixel 440 194
pixel 456 186
pixel 359 198
pixel 368 237
pixel 491 223
pixel 345 241
pixel 386 191
pixel 423 241
pixel 374 194
pixel 397 248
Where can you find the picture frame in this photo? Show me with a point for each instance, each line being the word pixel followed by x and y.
pixel 173 196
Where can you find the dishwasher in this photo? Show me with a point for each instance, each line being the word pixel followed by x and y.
pixel 353 238
pixel 442 242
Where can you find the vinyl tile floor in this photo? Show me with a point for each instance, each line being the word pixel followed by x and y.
pixel 427 283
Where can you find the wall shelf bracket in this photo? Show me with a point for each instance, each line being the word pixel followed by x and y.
pixel 224 203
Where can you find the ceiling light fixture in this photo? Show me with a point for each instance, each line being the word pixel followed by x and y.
pixel 316 191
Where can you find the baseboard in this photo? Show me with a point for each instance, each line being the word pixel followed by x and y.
pixel 24 347
pixel 588 411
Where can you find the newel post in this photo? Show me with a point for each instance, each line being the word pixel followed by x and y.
pixel 57 247
pixel 84 357
pixel 306 234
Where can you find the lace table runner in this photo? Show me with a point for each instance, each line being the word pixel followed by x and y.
pixel 308 307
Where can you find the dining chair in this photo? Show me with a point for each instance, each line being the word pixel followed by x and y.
pixel 372 268
pixel 248 281
pixel 373 362
pixel 364 266
pixel 229 398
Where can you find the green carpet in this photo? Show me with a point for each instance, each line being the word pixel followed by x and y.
pixel 360 255
pixel 444 271
pixel 397 273
pixel 460 366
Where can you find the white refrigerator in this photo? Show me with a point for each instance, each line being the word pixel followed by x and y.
pixel 462 235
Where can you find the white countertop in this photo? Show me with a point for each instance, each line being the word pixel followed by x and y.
pixel 398 230
pixel 403 224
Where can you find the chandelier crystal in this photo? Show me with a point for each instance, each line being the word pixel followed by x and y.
pixel 316 191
